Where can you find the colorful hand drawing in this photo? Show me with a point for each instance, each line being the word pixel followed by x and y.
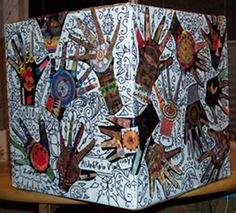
pixel 150 65
pixel 217 155
pixel 214 95
pixel 188 52
pixel 65 86
pixel 51 26
pixel 28 71
pixel 130 136
pixel 99 56
pixel 69 159
pixel 195 119
pixel 159 167
pixel 36 154
pixel 214 40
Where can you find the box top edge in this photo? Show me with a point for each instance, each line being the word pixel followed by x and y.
pixel 109 6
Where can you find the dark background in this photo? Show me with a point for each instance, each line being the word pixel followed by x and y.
pixel 217 7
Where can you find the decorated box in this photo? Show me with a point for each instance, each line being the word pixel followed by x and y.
pixel 124 105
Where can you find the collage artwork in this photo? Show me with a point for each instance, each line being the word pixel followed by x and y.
pixel 124 105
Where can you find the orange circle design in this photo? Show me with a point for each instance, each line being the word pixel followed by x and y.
pixel 131 140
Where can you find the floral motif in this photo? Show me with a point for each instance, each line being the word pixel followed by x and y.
pixel 131 140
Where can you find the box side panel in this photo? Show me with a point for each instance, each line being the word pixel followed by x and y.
pixel 27 68
pixel 189 146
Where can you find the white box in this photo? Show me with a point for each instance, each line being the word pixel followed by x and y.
pixel 125 105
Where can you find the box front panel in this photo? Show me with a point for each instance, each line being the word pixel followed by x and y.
pixel 70 78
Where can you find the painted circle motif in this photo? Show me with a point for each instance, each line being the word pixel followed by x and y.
pixel 39 157
pixel 131 140
pixel 63 87
pixel 170 111
pixel 101 62
pixel 194 114
pixel 185 50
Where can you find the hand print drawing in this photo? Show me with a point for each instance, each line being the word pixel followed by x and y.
pixel 65 86
pixel 188 51
pixel 150 65
pixel 27 69
pixel 117 141
pixel 217 155
pixel 195 119
pixel 215 40
pixel 159 166
pixel 36 154
pixel 51 26
pixel 98 54
pixel 130 136
pixel 69 158
pixel 215 94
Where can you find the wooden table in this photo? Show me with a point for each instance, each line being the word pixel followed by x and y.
pixel 9 193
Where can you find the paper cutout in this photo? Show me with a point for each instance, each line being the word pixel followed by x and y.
pixel 214 40
pixel 99 56
pixel 159 165
pixel 27 69
pixel 217 155
pixel 150 50
pixel 70 157
pixel 36 154
pixel 215 94
pixel 65 87
pixel 195 119
pixel 51 26
pixel 188 51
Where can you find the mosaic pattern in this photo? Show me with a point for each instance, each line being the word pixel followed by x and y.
pixel 125 105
